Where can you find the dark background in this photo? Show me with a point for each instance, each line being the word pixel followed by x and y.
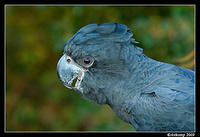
pixel 35 35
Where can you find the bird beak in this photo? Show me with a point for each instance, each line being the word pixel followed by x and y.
pixel 69 71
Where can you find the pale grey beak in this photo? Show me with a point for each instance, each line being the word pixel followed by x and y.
pixel 68 70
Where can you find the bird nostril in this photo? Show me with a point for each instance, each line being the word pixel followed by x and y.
pixel 68 60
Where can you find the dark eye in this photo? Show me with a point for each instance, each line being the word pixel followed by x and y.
pixel 87 61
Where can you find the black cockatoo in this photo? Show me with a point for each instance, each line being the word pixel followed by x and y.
pixel 109 69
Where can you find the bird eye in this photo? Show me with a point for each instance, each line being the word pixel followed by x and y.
pixel 87 61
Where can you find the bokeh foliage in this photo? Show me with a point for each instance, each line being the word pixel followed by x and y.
pixel 35 35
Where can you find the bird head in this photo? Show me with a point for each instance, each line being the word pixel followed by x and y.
pixel 94 57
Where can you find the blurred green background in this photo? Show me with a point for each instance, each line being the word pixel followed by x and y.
pixel 35 98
